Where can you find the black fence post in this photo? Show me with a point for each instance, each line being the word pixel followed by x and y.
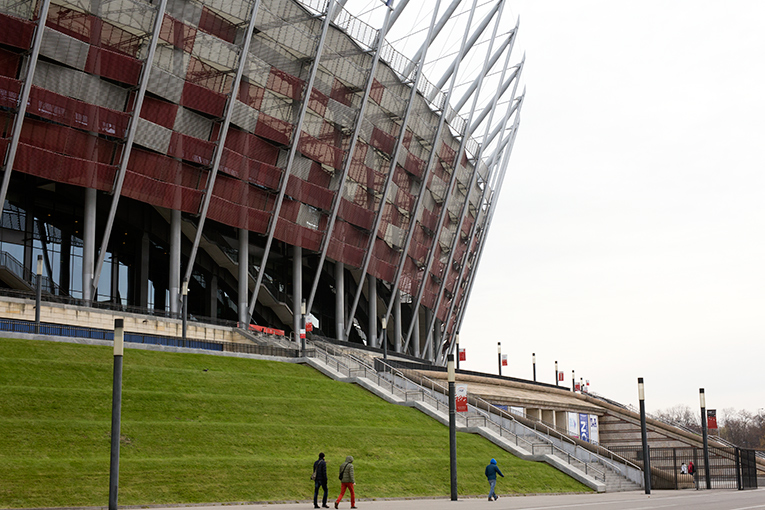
pixel 739 483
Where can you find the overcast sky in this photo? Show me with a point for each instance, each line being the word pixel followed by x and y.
pixel 629 240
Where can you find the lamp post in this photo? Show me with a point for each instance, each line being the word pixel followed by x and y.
pixel 452 428
pixel 534 365
pixel 457 341
pixel 556 373
pixel 114 464
pixel 184 310
pixel 499 357
pixel 38 293
pixel 703 400
pixel 644 437
pixel 384 322
pixel 573 381
pixel 302 327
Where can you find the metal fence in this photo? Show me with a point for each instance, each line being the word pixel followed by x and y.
pixel 684 467
pixel 20 326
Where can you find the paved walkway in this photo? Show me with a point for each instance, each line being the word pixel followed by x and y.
pixel 675 500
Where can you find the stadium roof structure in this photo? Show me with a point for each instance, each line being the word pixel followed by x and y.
pixel 251 158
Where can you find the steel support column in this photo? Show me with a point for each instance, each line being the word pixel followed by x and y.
pixel 445 17
pixel 391 170
pixel 372 308
pixel 349 158
pixel 340 300
pixel 128 147
pixel 89 244
pixel 174 271
pixel 291 157
pixel 297 289
pixel 21 109
pixel 243 275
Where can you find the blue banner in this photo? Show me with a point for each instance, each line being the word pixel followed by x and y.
pixel 584 430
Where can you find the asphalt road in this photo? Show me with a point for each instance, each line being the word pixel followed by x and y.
pixel 675 500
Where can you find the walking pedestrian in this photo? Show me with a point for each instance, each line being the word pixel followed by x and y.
pixel 347 481
pixel 491 474
pixel 320 480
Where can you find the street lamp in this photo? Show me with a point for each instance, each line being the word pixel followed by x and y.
pixel 185 310
pixel 534 364
pixel 302 327
pixel 556 373
pixel 499 356
pixel 452 428
pixel 384 322
pixel 457 341
pixel 114 461
pixel 644 437
pixel 573 381
pixel 703 400
pixel 38 293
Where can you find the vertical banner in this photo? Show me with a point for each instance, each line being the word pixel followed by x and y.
pixel 711 418
pixel 504 360
pixel 594 435
pixel 560 376
pixel 460 398
pixel 584 428
pixel 462 354
pixel 573 426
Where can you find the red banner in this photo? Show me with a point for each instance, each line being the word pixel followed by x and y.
pixel 462 354
pixel 504 360
pixel 560 376
pixel 711 418
pixel 460 398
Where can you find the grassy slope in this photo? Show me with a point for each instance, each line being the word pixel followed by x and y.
pixel 243 430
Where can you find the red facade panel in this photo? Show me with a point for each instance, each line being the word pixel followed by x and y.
pixel 318 102
pixel 250 94
pixel 159 112
pixel 273 129
pixel 216 25
pixel 382 141
pixel 9 63
pixel 203 99
pixel 296 235
pixel 376 93
pixel 16 32
pixel 285 84
pixel 177 33
pixel 251 146
pixel 78 114
pixel 317 150
pixel 66 169
pixel 308 193
pixel 191 149
pixel 356 214
pixel 113 65
pixel 9 92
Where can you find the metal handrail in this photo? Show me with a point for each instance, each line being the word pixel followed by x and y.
pixel 421 393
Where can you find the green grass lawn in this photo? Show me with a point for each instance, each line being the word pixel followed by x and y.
pixel 243 430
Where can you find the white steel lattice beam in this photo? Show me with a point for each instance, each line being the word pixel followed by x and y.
pixel 349 158
pixel 291 157
pixel 389 178
pixel 428 169
pixel 132 127
pixel 445 208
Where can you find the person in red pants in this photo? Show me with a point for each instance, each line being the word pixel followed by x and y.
pixel 347 481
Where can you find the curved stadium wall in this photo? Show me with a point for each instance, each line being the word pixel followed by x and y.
pixel 92 174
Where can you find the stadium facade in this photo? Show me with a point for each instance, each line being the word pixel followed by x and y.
pixel 252 156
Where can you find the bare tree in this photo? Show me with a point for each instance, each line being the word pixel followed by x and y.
pixel 681 416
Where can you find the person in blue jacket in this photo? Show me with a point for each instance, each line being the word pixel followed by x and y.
pixel 491 474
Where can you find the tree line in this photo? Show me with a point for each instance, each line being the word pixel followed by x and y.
pixel 743 428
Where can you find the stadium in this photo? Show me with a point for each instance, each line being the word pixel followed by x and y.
pixel 234 162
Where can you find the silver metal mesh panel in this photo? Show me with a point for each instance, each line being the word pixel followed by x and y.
pixel 256 70
pixel 301 167
pixel 183 10
pixel 217 52
pixel 165 84
pixel 129 14
pixel 65 49
pixel 395 236
pixel 23 9
pixel 79 85
pixel 152 136
pixel 339 114
pixel 313 124
pixel 308 217
pixel 237 9
pixel 192 124
pixel 438 189
pixel 172 61
pixel 244 116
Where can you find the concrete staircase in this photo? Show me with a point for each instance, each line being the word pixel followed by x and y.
pixel 600 474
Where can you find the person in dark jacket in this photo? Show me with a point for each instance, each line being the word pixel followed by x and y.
pixel 491 474
pixel 320 468
pixel 347 479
